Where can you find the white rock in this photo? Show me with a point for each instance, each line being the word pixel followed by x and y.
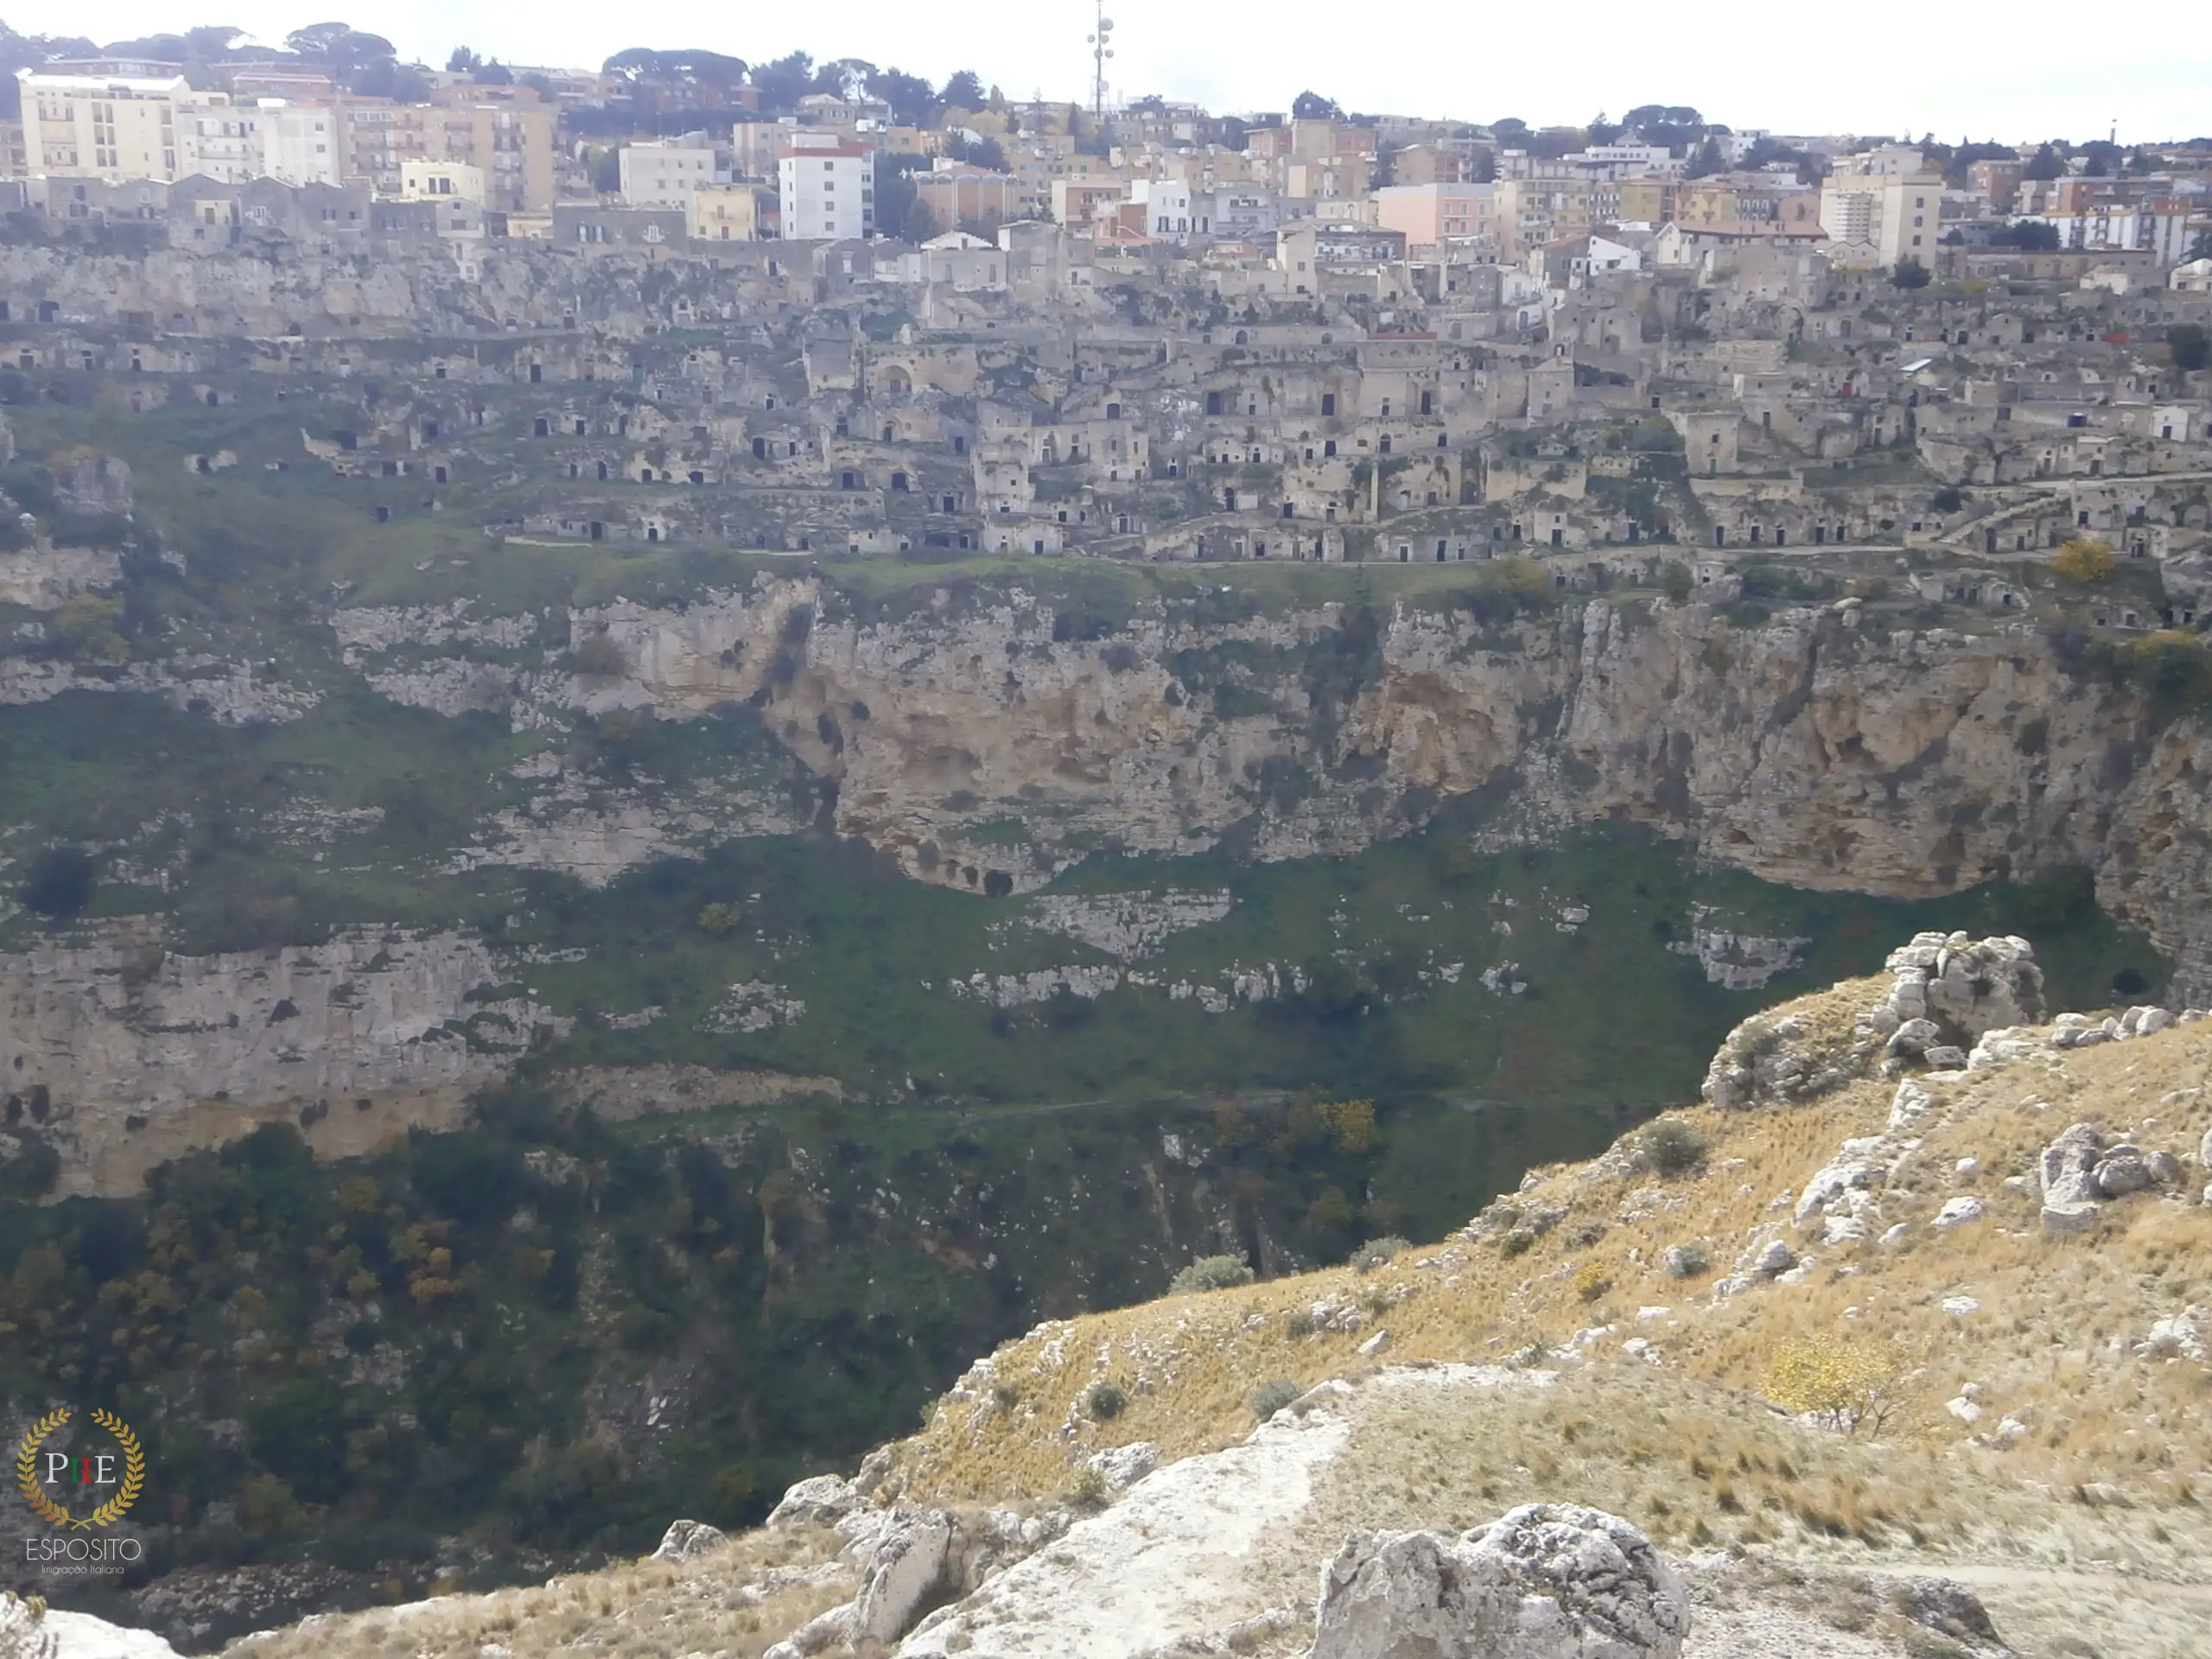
pixel 1774 1259
pixel 1964 1409
pixel 1957 1212
pixel 2181 1337
pixel 2075 1218
pixel 1123 1466
pixel 686 1540
pixel 1546 1581
pixel 822 1500
pixel 1376 1344
pixel 909 1564
pixel 1896 1234
pixel 1966 1167
pixel 1961 1305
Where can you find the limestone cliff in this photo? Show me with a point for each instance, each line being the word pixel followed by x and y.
pixel 985 747
pixel 123 1057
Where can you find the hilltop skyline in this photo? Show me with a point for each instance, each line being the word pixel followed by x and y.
pixel 1968 71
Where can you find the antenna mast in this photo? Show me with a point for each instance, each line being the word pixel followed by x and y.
pixel 1101 47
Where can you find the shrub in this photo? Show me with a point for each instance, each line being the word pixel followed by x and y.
pixel 2172 668
pixel 1844 1384
pixel 1089 1490
pixel 1676 580
pixel 1517 1243
pixel 1377 1252
pixel 599 657
pixel 718 920
pixel 1669 1147
pixel 1272 1396
pixel 1590 1281
pixel 84 628
pixel 60 882
pixel 2084 563
pixel 1583 1234
pixel 1299 1323
pixel 1752 1041
pixel 1210 1273
pixel 1351 1124
pixel 1687 1260
pixel 1104 1401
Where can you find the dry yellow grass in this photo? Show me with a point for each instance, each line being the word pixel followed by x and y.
pixel 735 1604
pixel 1675 1437
pixel 2051 1343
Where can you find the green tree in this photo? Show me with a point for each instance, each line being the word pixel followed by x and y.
pixel 2045 163
pixel 2191 346
pixel 963 90
pixel 1909 274
pixel 1676 580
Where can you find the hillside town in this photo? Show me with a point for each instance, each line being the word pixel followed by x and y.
pixel 831 309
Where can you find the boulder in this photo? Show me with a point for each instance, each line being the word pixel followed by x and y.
pixel 1777 1258
pixel 1123 1466
pixel 686 1540
pixel 907 1568
pixel 1947 1609
pixel 1957 1212
pixel 1685 1261
pixel 821 1500
pixel 2070 1218
pixel 2067 1166
pixel 1545 1581
pixel 1914 1036
pixel 2181 1337
pixel 2121 1172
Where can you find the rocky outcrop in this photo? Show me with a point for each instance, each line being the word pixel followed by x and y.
pixel 1947 992
pixel 41 578
pixel 96 486
pixel 687 1540
pixel 29 1630
pixel 1546 1581
pixel 2081 1171
pixel 123 1055
pixel 1810 751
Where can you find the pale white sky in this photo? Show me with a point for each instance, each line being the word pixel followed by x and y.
pixel 2009 69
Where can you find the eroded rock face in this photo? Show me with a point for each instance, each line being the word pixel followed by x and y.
pixel 124 1056
pixel 1809 751
pixel 1544 1581
pixel 1948 992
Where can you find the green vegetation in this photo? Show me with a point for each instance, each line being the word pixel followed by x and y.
pixel 1669 1147
pixel 1211 1273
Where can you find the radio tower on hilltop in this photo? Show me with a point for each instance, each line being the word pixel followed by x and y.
pixel 1101 47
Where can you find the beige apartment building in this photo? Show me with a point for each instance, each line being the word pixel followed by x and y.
pixel 509 140
pixel 723 212
pixel 106 127
pixel 1432 215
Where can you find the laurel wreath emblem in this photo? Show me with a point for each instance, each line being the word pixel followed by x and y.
pixel 134 1473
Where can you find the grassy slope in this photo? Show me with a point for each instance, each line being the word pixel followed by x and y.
pixel 2093 1519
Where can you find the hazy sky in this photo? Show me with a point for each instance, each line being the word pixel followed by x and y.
pixel 2013 71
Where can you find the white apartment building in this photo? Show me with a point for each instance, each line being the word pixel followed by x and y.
pixel 826 186
pixel 1168 214
pixel 115 128
pixel 665 174
pixel 300 142
pixel 218 142
pixel 106 127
